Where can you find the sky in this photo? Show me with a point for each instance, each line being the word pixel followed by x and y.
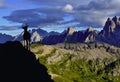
pixel 55 15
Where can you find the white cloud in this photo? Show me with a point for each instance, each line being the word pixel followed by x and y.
pixel 93 13
pixel 58 2
pixel 68 8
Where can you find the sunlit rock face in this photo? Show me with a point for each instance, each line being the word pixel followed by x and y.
pixel 70 31
pixel 35 37
pixel 89 35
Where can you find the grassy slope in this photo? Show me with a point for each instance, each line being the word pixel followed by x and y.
pixel 78 66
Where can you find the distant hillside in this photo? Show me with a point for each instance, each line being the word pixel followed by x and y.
pixel 95 62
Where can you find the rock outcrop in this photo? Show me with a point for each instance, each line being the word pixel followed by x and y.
pixel 111 31
pixel 70 31
pixel 70 35
pixel 20 65
pixel 109 28
pixel 35 37
pixel 89 35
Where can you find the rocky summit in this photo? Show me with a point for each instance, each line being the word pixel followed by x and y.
pixel 70 31
pixel 111 31
pixel 89 35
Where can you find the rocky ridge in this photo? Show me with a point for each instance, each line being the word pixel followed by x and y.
pixel 71 36
pixel 110 34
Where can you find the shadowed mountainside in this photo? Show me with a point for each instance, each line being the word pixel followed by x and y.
pixel 19 64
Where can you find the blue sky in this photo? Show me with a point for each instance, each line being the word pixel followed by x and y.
pixel 55 15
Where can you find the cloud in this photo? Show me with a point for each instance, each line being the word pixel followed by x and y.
pixel 89 13
pixel 9 27
pixel 3 5
pixel 68 8
pixel 96 12
pixel 37 17
pixel 58 3
pixel 102 5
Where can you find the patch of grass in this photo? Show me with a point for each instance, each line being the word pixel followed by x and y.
pixel 40 51
pixel 81 71
pixel 43 59
pixel 61 79
pixel 36 45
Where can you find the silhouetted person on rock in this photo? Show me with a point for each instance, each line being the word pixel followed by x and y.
pixel 26 37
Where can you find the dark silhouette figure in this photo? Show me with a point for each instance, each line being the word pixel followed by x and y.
pixel 20 65
pixel 26 37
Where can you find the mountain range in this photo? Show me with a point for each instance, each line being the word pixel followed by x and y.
pixel 110 34
pixel 36 36
pixel 4 38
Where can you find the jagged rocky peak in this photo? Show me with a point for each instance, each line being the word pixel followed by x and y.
pixel 116 20
pixel 110 25
pixel 89 35
pixel 111 31
pixel 35 37
pixel 70 30
pixel 90 29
